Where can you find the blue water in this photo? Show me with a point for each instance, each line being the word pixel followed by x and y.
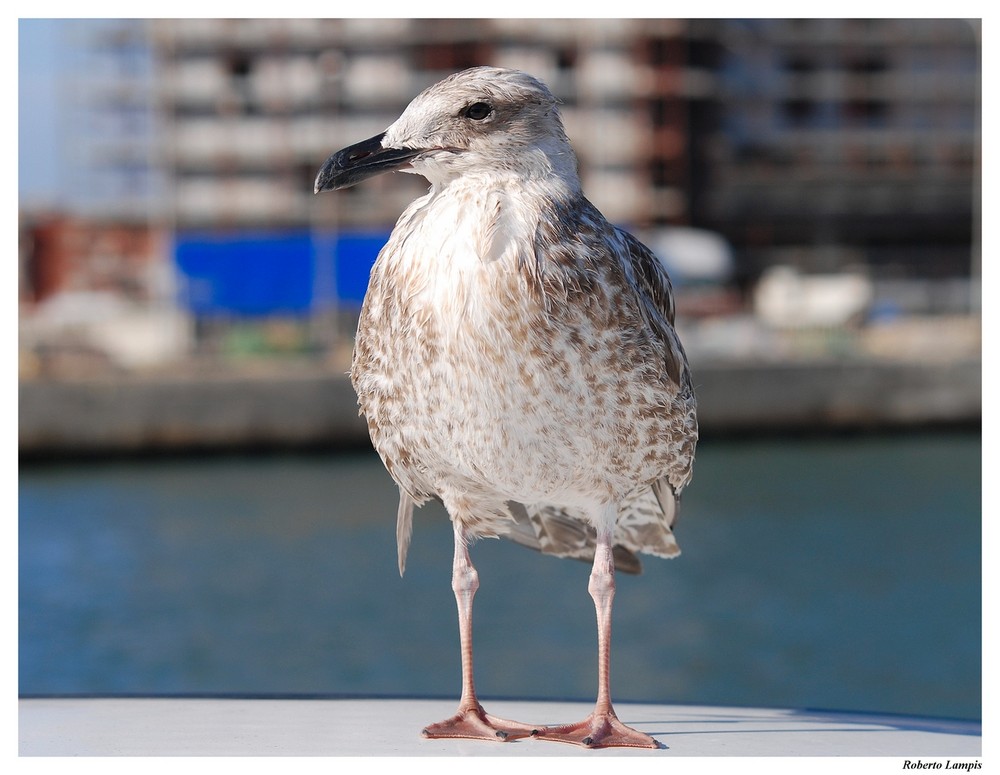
pixel 838 573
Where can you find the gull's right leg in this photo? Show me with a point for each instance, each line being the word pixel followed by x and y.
pixel 471 721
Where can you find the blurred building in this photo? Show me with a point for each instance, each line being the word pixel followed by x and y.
pixel 848 142
pixel 96 280
pixel 110 121
pixel 787 136
pixel 255 106
pixel 73 255
pixel 104 231
pixel 825 146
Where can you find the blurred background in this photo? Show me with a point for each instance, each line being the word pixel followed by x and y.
pixel 200 511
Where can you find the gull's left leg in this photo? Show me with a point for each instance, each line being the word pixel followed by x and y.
pixel 471 721
pixel 601 729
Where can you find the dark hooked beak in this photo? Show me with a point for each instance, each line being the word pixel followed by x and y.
pixel 358 162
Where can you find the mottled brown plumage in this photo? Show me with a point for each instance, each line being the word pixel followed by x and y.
pixel 516 355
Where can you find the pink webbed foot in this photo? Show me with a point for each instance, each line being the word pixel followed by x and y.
pixel 602 730
pixel 477 724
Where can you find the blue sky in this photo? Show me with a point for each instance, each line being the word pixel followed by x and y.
pixel 41 151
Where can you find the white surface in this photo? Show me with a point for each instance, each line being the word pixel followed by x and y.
pixel 321 727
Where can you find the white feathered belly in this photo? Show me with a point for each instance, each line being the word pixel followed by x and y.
pixel 484 393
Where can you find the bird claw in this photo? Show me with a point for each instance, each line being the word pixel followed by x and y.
pixel 477 724
pixel 598 731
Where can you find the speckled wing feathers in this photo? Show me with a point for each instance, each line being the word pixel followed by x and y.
pixel 647 516
pixel 646 274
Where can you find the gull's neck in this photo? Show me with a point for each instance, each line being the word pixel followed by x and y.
pixel 546 169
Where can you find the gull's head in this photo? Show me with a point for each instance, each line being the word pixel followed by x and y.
pixel 483 121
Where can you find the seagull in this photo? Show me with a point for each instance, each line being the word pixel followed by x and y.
pixel 516 359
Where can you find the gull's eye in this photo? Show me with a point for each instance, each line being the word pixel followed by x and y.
pixel 477 111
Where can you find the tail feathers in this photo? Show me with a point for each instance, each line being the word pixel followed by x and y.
pixel 646 520
pixel 404 528
pixel 644 525
pixel 668 501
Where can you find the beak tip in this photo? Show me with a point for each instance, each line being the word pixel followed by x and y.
pixel 324 180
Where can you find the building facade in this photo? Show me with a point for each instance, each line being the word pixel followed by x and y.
pixel 848 142
pixel 815 142
pixel 254 107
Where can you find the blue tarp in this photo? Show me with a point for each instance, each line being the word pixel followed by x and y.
pixel 355 253
pixel 273 273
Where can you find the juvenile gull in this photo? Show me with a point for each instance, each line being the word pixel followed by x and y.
pixel 516 358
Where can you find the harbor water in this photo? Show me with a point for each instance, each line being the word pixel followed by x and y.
pixel 835 573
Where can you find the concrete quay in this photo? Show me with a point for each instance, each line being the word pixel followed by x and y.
pixel 310 406
pixel 184 726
